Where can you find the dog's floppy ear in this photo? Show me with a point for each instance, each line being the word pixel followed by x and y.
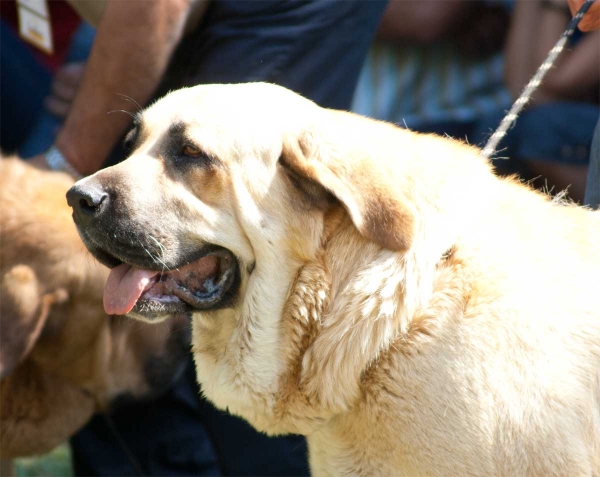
pixel 23 313
pixel 334 159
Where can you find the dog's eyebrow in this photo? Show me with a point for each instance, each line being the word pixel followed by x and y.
pixel 178 130
pixel 177 135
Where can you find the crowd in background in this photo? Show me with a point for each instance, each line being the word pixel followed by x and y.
pixel 450 67
pixel 460 75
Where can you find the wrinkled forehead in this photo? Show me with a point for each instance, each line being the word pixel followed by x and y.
pixel 225 119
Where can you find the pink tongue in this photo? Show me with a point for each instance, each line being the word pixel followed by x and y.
pixel 123 287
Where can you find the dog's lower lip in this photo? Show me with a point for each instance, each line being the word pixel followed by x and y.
pixel 212 290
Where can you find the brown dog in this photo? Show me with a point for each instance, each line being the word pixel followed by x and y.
pixel 61 357
pixel 379 291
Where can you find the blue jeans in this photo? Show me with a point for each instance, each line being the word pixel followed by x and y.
pixel 24 83
pixel 46 125
pixel 26 126
pixel 559 132
pixel 592 189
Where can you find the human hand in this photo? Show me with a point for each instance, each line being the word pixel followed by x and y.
pixel 42 162
pixel 39 161
pixel 64 88
pixel 591 20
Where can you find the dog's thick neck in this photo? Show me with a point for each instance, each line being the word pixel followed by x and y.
pixel 329 320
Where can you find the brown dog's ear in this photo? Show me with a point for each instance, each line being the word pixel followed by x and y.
pixel 357 179
pixel 23 313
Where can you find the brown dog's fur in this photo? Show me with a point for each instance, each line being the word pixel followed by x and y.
pixel 401 306
pixel 62 358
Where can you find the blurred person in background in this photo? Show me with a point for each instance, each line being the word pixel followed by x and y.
pixel 553 136
pixel 437 66
pixel 460 76
pixel 33 82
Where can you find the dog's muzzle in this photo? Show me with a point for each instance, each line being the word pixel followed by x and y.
pixel 146 282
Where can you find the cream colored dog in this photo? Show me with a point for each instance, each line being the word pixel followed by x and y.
pixel 377 290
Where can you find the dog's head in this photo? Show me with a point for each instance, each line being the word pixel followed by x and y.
pixel 225 185
pixel 61 357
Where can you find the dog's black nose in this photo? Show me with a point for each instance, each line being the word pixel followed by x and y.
pixel 87 202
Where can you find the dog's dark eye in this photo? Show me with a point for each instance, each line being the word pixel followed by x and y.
pixel 190 155
pixel 191 151
pixel 129 140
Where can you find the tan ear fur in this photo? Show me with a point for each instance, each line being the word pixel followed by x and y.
pixel 23 313
pixel 39 411
pixel 332 157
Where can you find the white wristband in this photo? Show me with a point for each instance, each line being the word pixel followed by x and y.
pixel 57 162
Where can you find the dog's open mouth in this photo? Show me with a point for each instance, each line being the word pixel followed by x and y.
pixel 201 284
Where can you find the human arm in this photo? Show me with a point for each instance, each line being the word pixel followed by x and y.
pixel 92 11
pixel 64 88
pixel 126 61
pixel 476 28
pixel 522 34
pixel 421 21
pixel 576 75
